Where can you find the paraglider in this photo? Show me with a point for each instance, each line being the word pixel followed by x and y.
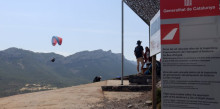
pixel 55 40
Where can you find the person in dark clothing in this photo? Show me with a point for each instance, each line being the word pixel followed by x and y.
pixel 139 52
pixel 158 69
pixel 97 79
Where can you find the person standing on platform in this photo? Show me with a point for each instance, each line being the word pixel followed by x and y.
pixel 139 53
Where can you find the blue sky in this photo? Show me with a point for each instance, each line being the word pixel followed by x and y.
pixel 83 25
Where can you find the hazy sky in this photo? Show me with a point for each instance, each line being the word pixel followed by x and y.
pixel 83 25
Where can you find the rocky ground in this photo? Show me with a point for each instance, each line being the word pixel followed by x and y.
pixel 139 102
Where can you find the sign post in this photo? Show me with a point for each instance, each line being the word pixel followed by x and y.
pixel 190 51
pixel 154 79
pixel 155 48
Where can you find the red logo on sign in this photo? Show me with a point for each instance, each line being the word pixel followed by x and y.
pixel 188 8
pixel 170 34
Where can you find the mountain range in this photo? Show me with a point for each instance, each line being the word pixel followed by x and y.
pixel 24 71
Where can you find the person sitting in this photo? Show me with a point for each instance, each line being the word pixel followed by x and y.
pixel 158 69
pixel 97 79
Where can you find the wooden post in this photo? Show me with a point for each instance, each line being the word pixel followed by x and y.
pixel 154 77
pixel 154 96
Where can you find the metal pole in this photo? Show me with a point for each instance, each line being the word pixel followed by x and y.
pixel 122 41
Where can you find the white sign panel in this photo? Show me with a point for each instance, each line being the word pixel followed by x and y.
pixel 155 46
pixel 190 51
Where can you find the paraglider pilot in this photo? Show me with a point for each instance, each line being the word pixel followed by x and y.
pixel 53 59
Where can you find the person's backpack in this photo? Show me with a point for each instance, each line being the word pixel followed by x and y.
pixel 138 51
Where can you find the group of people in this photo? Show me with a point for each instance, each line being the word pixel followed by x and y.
pixel 142 57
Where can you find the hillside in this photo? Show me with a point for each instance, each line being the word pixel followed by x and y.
pixel 24 71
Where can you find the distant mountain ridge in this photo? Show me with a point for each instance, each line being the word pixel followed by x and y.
pixel 20 69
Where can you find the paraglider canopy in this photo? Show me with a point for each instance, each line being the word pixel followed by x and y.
pixel 56 39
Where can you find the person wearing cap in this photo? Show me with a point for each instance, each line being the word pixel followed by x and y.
pixel 139 53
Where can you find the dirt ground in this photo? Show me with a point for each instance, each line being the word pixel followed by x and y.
pixel 88 96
